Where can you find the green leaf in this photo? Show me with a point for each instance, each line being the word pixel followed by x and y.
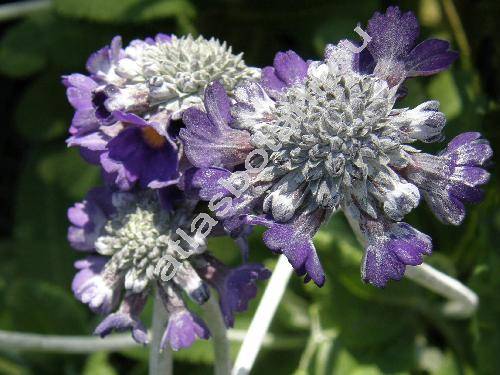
pixel 98 364
pixel 443 88
pixel 41 226
pixel 21 50
pixel 42 307
pixel 200 352
pixel 40 117
pixel 116 11
pixel 486 281
pixel 67 171
pixel 8 367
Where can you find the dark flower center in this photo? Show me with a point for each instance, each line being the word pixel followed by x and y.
pixel 152 137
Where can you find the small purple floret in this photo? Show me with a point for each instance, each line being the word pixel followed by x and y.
pixel 88 218
pixel 393 54
pixel 183 329
pixel 288 68
pixel 390 248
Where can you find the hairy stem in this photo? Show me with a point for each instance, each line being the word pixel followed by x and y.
pixel 160 361
pixel 263 317
pixel 22 8
pixel 64 344
pixel 218 330
pixel 24 341
pixel 462 302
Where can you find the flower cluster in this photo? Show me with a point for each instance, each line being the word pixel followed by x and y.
pixel 326 136
pixel 176 121
pixel 135 228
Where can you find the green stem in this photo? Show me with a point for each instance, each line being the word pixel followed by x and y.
pixel 22 8
pixel 462 301
pixel 459 32
pixel 25 341
pixel 160 361
pixel 215 322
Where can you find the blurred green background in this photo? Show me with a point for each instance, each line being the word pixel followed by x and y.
pixel 399 330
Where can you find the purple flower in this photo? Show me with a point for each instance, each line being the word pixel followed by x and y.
pixel 79 91
pixel 393 53
pixel 123 109
pixel 294 240
pixel 142 152
pixel 88 218
pixel 93 286
pixel 126 318
pixel 208 138
pixel 288 68
pixel 183 327
pixel 390 248
pixel 327 150
pixel 235 286
pixel 83 94
pixel 102 64
pixel 452 178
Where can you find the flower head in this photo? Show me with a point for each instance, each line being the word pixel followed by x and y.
pixel 327 136
pixel 136 245
pixel 124 108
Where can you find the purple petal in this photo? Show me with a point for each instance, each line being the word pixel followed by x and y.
pixel 429 57
pixel 447 208
pixel 294 240
pixel 126 318
pixel 239 288
pixel 153 167
pixel 90 287
pixel 88 219
pixel 213 144
pixel 115 173
pixel 466 193
pixel 462 139
pixel 290 67
pixel 183 329
pixel 217 104
pixel 93 141
pixel 207 181
pixel 84 119
pixel 470 176
pixel 79 90
pixel 271 83
pixel 381 265
pixel 468 149
pixel 129 118
pixel 161 168
pixel 390 248
pixel 102 60
pixel 116 321
pixel 393 34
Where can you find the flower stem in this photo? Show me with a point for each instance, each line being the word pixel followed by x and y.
pixel 22 8
pixel 462 302
pixel 64 344
pixel 219 336
pixel 459 32
pixel 160 361
pixel 24 341
pixel 263 317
